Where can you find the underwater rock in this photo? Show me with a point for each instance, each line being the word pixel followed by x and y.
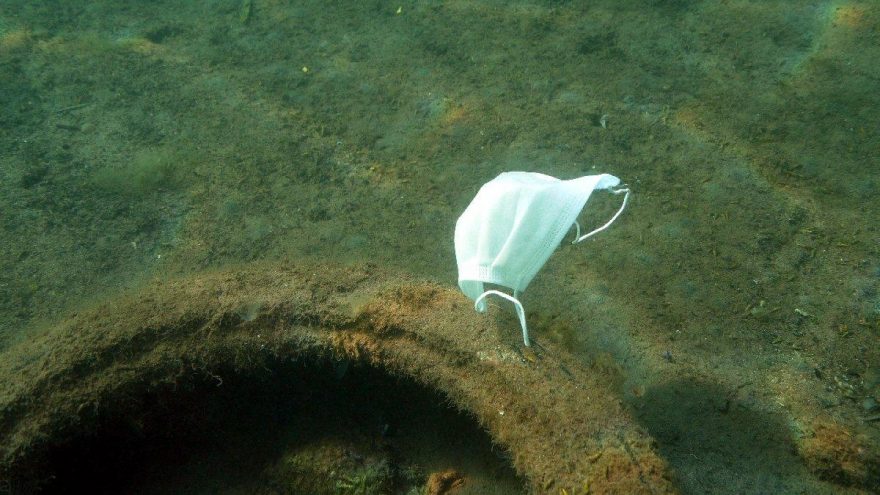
pixel 442 482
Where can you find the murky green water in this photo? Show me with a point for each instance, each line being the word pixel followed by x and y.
pixel 737 296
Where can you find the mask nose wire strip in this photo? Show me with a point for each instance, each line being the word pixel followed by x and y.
pixel 519 310
pixel 579 237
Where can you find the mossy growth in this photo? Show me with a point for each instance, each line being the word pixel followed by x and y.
pixel 151 170
pixel 372 478
pixel 559 330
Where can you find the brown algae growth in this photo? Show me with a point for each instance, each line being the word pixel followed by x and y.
pixel 105 395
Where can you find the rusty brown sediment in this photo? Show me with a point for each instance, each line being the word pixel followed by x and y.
pixel 562 424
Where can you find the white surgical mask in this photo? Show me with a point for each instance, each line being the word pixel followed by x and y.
pixel 512 227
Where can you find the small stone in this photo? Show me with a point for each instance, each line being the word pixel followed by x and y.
pixel 443 482
pixel 870 404
pixel 829 400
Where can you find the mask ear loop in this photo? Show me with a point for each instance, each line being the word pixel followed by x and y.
pixel 578 237
pixel 519 310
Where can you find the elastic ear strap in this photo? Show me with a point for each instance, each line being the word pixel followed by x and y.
pixel 519 310
pixel 607 224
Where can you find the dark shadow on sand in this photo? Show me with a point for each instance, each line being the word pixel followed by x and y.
pixel 714 439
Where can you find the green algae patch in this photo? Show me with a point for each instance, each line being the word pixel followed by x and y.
pixel 151 170
pixel 183 356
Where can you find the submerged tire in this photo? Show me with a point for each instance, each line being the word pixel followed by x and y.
pixel 561 425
